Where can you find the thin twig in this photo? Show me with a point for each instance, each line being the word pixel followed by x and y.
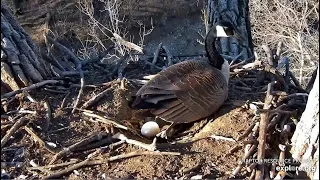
pixel 295 81
pixel 269 55
pixel 222 138
pixel 52 166
pixel 150 147
pixel 311 81
pixel 155 58
pixel 12 130
pixel 80 91
pixel 77 145
pixel 96 98
pixel 31 87
pixel 21 111
pixel 277 111
pixel 103 119
pixel 38 139
pixel 89 162
pixel 246 132
pixel 243 162
pixel 78 64
pixel 63 103
pixel 128 44
pixel 48 117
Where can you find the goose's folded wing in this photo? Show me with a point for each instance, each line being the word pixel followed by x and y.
pixel 180 91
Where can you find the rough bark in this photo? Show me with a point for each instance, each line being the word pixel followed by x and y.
pixel 237 13
pixel 305 141
pixel 21 62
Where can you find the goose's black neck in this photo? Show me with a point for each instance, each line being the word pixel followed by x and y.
pixel 214 57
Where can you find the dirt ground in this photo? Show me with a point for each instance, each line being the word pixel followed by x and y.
pixel 200 154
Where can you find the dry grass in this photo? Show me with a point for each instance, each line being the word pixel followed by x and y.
pixel 110 28
pixel 293 22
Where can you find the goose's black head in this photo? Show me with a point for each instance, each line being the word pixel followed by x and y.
pixel 218 30
pixel 224 29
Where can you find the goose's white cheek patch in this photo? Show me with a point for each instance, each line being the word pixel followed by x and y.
pixel 221 32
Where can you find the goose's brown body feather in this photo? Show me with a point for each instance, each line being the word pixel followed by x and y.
pixel 185 92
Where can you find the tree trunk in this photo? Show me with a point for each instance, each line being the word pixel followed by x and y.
pixel 21 62
pixel 237 13
pixel 305 141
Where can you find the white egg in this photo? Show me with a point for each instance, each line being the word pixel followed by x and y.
pixel 150 129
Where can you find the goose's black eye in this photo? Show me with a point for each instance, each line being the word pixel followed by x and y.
pixel 229 31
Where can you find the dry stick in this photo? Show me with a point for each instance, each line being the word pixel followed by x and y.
pixel 78 64
pixel 22 111
pixel 31 87
pixel 311 81
pixel 121 64
pixel 252 65
pixel 242 62
pixel 96 98
pixel 128 44
pixel 234 149
pixel 150 147
pixel 278 52
pixel 48 117
pixel 53 166
pixel 246 133
pixel 255 131
pixel 279 93
pixel 295 81
pixel 215 137
pixel 269 55
pixel 282 154
pixel 272 172
pixel 275 119
pixel 155 58
pixel 106 85
pixel 252 141
pixel 263 133
pixel 55 91
pixel 266 172
pixel 74 167
pixel 243 162
pixel 31 99
pixel 104 141
pixel 277 74
pixel 118 64
pixel 41 142
pixel 5 117
pixel 103 119
pixel 251 167
pixel 243 88
pixel 277 111
pixel 155 66
pixel 81 143
pixel 63 103
pixel 80 91
pixel 89 162
pixel 169 55
pixel 252 175
pixel 12 130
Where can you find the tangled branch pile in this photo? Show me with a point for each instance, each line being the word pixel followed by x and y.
pixel 295 24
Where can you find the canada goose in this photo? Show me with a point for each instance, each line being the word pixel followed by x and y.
pixel 189 90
